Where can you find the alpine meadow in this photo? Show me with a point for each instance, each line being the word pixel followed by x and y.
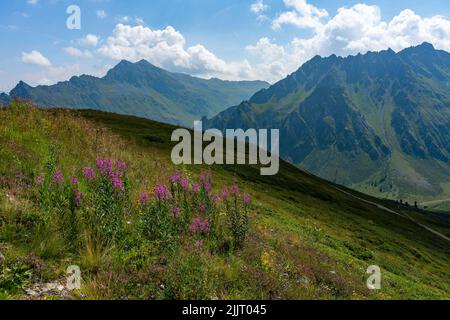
pixel 224 159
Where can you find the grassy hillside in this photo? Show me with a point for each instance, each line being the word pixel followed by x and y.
pixel 305 240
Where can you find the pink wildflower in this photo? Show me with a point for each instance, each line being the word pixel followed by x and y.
pixel 184 183
pixel 224 194
pixel 216 200
pixel 175 212
pixel 105 166
pixel 89 173
pixel 195 188
pixel 73 181
pixel 117 184
pixel 121 167
pixel 199 226
pixel 58 177
pixel 39 181
pixel 78 196
pixel 246 199
pixel 175 177
pixel 198 244
pixel 234 189
pixel 144 198
pixel 207 187
pixel 162 193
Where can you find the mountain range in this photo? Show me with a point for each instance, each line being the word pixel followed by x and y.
pixel 378 122
pixel 144 90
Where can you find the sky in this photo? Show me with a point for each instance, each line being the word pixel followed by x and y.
pixel 227 39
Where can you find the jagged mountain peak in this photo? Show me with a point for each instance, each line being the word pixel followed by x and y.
pixel 378 121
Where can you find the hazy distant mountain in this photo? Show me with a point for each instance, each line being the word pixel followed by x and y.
pixel 4 99
pixel 144 90
pixel 379 122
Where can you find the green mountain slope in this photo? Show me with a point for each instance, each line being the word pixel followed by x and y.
pixel 378 122
pixel 143 90
pixel 306 240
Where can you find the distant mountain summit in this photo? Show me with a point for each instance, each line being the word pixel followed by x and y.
pixel 143 90
pixel 4 99
pixel 378 122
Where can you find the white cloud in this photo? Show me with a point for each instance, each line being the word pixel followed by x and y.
pixel 75 52
pixel 50 75
pixel 352 30
pixel 89 40
pixel 36 58
pixel 33 2
pixel 302 15
pixel 258 8
pixel 167 48
pixel 101 14
pixel 128 19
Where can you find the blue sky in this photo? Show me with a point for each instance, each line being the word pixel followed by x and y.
pixel 230 39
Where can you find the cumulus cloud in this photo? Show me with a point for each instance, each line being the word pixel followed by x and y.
pixel 128 19
pixel 302 14
pixel 89 40
pixel 258 8
pixel 36 58
pixel 352 30
pixel 167 48
pixel 75 52
pixel 356 29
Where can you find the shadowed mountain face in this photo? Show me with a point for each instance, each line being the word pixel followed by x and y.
pixel 144 90
pixel 4 99
pixel 379 122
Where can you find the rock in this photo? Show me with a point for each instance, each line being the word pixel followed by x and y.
pixel 304 280
pixel 31 292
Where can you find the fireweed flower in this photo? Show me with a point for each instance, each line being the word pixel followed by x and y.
pixel 202 208
pixel 58 178
pixel 77 197
pixel 224 194
pixel 205 177
pixel 117 184
pixel 184 183
pixel 216 200
pixel 73 181
pixel 39 181
pixel 104 166
pixel 144 198
pixel 195 188
pixel 198 244
pixel 207 187
pixel 121 167
pixel 175 177
pixel 199 226
pixel 175 212
pixel 162 193
pixel 88 174
pixel 234 189
pixel 246 199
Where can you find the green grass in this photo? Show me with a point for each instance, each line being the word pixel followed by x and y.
pixel 307 240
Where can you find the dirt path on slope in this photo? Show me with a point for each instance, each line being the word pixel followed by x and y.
pixel 405 216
